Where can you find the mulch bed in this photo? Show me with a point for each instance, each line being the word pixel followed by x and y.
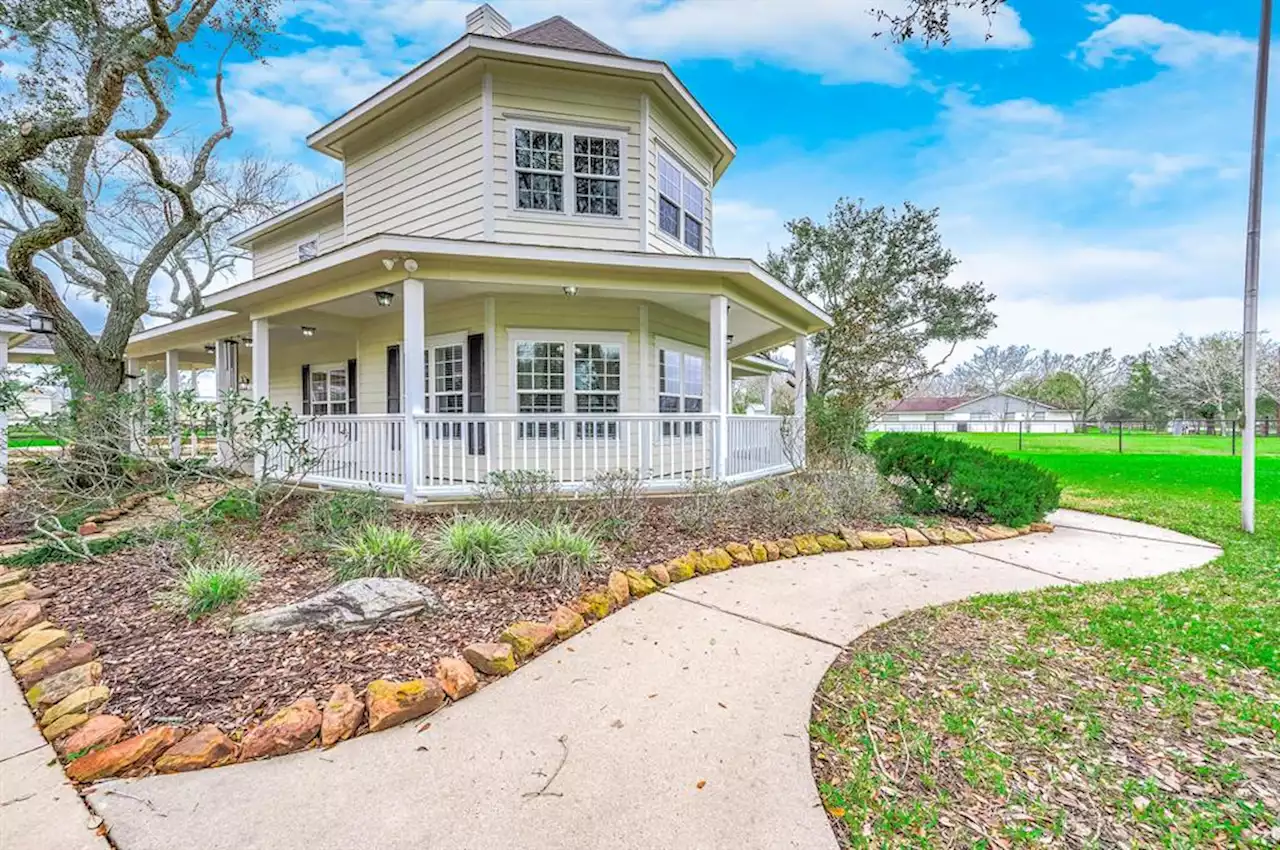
pixel 161 667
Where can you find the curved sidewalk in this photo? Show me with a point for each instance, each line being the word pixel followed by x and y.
pixel 680 722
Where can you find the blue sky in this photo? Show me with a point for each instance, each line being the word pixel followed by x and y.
pixel 1090 160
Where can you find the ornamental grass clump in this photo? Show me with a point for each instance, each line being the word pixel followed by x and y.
pixel 469 547
pixel 555 554
pixel 331 516
pixel 377 551
pixel 220 582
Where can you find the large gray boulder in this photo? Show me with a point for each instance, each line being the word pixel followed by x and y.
pixel 356 604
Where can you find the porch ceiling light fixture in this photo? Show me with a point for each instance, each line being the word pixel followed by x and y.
pixel 246 341
pixel 384 298
pixel 389 263
pixel 210 349
pixel 39 323
pixel 307 330
pixel 570 290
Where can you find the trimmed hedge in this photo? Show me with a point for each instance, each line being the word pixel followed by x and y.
pixel 939 475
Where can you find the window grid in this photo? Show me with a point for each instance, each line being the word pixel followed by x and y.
pixel 448 382
pixel 539 170
pixel 540 385
pixel 329 391
pixel 597 170
pixel 681 384
pixel 597 386
pixel 681 204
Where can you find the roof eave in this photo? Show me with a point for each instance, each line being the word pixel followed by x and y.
pixel 327 198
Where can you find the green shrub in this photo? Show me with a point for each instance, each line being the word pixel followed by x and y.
pixel 521 495
pixel 855 491
pixel 793 504
pixel 235 505
pixel 474 547
pixel 834 431
pixel 223 581
pixel 704 503
pixel 558 553
pixel 331 516
pixel 941 475
pixel 376 550
pixel 614 505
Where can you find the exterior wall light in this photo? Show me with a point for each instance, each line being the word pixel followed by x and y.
pixel 571 290
pixel 246 341
pixel 384 298
pixel 308 331
pixel 39 323
pixel 210 349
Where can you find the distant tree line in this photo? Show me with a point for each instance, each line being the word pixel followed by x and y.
pixel 1189 378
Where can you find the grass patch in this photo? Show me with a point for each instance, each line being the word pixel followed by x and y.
pixel 558 553
pixel 1139 713
pixel 49 554
pixel 469 547
pixel 378 551
pixel 330 516
pixel 222 582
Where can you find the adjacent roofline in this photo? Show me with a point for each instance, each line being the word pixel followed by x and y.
pixel 476 249
pixel 295 212
pixel 766 363
pixel 182 325
pixel 325 138
pixel 1011 395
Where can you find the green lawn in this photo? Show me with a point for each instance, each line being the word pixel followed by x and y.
pixel 22 441
pixel 1141 442
pixel 1142 713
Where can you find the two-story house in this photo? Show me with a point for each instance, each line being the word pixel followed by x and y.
pixel 516 272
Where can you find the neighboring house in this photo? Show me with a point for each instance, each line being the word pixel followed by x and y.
pixel 994 412
pixel 517 272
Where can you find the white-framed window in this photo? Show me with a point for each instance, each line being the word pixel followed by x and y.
pixel 681 204
pixel 447 384
pixel 309 248
pixel 682 386
pixel 580 375
pixel 567 170
pixel 329 390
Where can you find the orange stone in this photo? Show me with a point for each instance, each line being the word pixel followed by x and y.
pixel 341 717
pixel 494 659
pixel 566 622
pixel 19 616
pixel 101 730
pixel 291 728
pixel 456 677
pixel 527 637
pixel 619 589
pixel 53 661
pixel 659 573
pixel 129 753
pixel 206 747
pixel 392 703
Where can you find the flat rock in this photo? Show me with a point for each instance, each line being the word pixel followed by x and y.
pixel 341 716
pixel 35 643
pixel 787 548
pixel 14 592
pixel 392 703
pixel 53 661
pixel 208 746
pixel 639 583
pixel 9 577
pixel 527 637
pixel 741 553
pixel 63 725
pixel 658 572
pixel 934 534
pixel 129 753
pixel 832 543
pixel 82 701
pixel 807 544
pixel 566 622
pixel 915 537
pixel 597 605
pixel 17 617
pixel 49 691
pixel 291 728
pixel 619 589
pixel 457 677
pixel 356 604
pixel 875 539
pixel 954 535
pixel 101 730
pixel 493 659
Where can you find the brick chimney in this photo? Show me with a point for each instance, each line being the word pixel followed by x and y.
pixel 485 20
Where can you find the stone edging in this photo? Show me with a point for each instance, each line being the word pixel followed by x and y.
pixel 62 680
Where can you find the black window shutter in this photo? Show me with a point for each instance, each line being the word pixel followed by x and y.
pixel 353 386
pixel 475 392
pixel 306 389
pixel 393 379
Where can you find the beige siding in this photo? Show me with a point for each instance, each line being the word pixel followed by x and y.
pixel 675 137
pixel 279 249
pixel 287 362
pixel 568 100
pixel 421 177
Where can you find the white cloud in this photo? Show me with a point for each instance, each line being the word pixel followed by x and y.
pixel 1167 44
pixel 1099 13
pixel 1022 110
pixel 322 78
pixel 746 229
pixel 276 125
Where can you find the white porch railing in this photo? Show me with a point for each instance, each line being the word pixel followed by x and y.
pixel 455 454
pixel 758 446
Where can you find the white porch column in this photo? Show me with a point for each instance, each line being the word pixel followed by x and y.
pixel 802 388
pixel 718 380
pixel 260 329
pixel 225 382
pixel 4 416
pixel 173 385
pixel 768 394
pixel 413 354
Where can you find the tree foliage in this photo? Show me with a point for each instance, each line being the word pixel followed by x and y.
pixel 930 20
pixel 883 275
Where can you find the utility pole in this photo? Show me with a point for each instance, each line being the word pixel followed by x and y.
pixel 1253 243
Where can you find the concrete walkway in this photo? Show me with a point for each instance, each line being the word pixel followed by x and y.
pixel 680 722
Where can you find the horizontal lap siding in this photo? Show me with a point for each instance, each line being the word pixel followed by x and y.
pixel 462 315
pixel 280 249
pixel 578 101
pixel 287 362
pixel 425 177
pixel 675 136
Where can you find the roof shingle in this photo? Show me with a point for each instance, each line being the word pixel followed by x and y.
pixel 559 31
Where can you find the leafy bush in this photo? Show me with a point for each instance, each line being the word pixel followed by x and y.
pixel 474 547
pixel 236 504
pixel 614 504
pixel 376 550
pixel 331 516
pixel 835 432
pixel 521 495
pixel 223 581
pixel 855 490
pixel 558 553
pixel 703 504
pixel 941 475
pixel 789 505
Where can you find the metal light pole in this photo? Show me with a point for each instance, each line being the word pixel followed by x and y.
pixel 1251 260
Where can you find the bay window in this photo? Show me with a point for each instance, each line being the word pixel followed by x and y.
pixel 681 204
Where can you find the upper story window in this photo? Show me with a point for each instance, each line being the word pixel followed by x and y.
pixel 593 171
pixel 308 249
pixel 680 204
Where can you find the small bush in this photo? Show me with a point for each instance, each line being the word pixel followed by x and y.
pixel 376 550
pixel 332 516
pixel 835 432
pixel 613 504
pixel 474 547
pixel 235 505
pixel 941 475
pixel 703 504
pixel 855 490
pixel 558 553
pixel 790 505
pixel 521 495
pixel 223 581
